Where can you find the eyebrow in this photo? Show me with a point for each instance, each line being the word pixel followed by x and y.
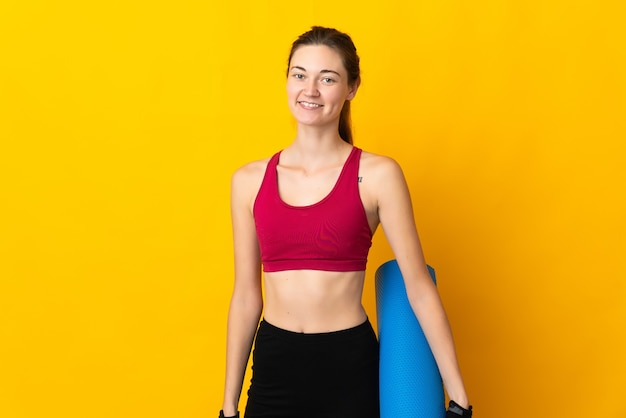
pixel 297 67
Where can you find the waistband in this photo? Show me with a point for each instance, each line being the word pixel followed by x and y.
pixel 358 331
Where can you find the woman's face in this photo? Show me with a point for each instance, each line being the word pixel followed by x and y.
pixel 317 85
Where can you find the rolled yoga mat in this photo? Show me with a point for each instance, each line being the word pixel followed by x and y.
pixel 410 383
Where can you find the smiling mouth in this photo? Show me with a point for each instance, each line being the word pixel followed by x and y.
pixel 310 105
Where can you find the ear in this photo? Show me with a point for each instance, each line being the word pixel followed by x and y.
pixel 353 89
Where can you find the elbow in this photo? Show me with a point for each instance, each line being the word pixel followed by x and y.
pixel 424 297
pixel 249 303
pixel 257 307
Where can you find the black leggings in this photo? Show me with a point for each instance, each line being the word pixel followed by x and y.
pixel 322 375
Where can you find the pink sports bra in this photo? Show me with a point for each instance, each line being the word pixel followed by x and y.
pixel 332 234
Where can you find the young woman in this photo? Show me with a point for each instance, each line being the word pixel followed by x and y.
pixel 306 218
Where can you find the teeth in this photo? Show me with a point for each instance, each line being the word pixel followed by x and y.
pixel 307 104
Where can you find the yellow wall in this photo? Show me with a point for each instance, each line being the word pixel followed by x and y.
pixel 121 123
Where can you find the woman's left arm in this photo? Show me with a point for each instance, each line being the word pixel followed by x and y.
pixel 395 212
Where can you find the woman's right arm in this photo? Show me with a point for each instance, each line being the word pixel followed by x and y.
pixel 246 303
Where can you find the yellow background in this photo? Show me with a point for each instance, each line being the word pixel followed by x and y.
pixel 122 121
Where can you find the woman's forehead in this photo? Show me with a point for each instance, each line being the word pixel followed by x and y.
pixel 317 58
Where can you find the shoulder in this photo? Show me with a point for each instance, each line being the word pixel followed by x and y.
pixel 250 171
pixel 247 179
pixel 380 167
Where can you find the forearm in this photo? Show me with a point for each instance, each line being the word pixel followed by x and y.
pixel 243 319
pixel 434 322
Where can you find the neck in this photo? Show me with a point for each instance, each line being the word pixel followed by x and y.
pixel 314 146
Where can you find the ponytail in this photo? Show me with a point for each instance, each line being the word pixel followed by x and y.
pixel 345 123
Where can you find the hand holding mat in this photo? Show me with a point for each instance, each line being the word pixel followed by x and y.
pixel 455 411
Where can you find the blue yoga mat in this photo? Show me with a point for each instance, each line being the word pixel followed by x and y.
pixel 410 383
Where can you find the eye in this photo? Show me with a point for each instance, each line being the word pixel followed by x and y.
pixel 328 80
pixel 298 76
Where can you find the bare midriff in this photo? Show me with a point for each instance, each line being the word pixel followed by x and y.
pixel 314 301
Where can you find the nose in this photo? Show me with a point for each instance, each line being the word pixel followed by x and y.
pixel 310 89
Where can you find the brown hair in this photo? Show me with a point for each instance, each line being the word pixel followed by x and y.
pixel 343 45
